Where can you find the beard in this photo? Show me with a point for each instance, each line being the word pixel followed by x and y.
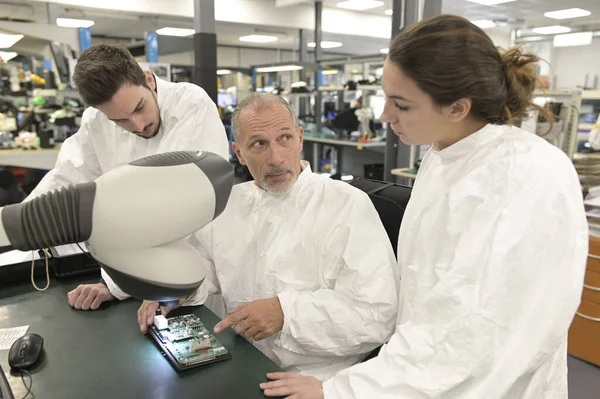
pixel 153 134
pixel 158 124
pixel 278 189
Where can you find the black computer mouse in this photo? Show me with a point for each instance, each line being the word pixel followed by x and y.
pixel 25 351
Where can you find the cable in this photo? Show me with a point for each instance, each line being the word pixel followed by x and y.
pixel 85 252
pixel 46 256
pixel 31 382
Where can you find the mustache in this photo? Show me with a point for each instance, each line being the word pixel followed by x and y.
pixel 277 171
pixel 148 126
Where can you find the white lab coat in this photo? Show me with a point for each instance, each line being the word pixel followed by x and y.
pixel 492 251
pixel 323 251
pixel 189 121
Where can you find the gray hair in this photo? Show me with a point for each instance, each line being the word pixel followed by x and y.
pixel 258 101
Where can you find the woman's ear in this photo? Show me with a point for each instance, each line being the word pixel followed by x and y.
pixel 458 111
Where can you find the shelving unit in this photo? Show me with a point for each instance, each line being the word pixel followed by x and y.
pixel 564 133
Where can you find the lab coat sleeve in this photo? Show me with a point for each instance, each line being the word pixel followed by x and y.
pixel 197 125
pixel 495 311
pixel 76 163
pixel 202 240
pixel 112 287
pixel 358 312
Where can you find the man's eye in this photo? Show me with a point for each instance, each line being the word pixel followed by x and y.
pixel 258 144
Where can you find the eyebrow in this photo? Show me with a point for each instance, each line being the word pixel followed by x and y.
pixel 258 136
pixel 137 107
pixel 398 97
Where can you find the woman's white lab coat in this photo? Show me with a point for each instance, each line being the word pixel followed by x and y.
pixel 492 252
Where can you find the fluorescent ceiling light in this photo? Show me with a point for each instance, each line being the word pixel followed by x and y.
pixel 74 23
pixel 279 68
pixel 568 13
pixel 223 71
pixel 573 39
pixel 551 30
pixel 329 71
pixel 7 55
pixel 389 12
pixel 359 5
pixel 490 2
pixel 258 39
pixel 484 23
pixel 325 44
pixel 384 50
pixel 167 31
pixel 6 40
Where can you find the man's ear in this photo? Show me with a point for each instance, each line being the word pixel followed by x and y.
pixel 150 80
pixel 238 153
pixel 301 137
pixel 458 111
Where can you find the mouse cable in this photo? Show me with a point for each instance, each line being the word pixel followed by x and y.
pixel 24 383
pixel 46 256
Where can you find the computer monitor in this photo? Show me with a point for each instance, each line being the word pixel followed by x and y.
pixel 224 99
pixel 329 110
pixel 61 61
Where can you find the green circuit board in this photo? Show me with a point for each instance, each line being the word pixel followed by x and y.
pixel 188 342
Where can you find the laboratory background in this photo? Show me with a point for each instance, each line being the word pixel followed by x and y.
pixel 325 58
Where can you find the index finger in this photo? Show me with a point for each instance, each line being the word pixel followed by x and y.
pixel 231 320
pixel 281 375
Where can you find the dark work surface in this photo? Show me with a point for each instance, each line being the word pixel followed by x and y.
pixel 102 354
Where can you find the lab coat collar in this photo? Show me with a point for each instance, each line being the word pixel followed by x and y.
pixel 161 88
pixel 470 143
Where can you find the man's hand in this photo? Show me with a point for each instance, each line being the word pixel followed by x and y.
pixel 257 320
pixel 293 386
pixel 89 296
pixel 147 311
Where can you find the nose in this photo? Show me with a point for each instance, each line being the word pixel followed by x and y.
pixel 388 115
pixel 138 123
pixel 276 156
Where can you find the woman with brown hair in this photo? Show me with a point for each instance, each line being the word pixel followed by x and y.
pixel 493 244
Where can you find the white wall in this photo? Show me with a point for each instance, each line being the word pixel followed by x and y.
pixel 567 67
pixel 571 64
pixel 235 57
pixel 545 51
pixel 500 36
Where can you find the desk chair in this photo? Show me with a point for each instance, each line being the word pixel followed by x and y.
pixel 390 201
pixel 242 173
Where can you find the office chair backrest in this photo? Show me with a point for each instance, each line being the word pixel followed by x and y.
pixel 390 201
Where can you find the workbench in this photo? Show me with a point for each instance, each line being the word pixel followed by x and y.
pixel 338 144
pixel 102 354
pixel 32 159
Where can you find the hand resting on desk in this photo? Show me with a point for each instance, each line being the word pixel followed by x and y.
pixel 89 296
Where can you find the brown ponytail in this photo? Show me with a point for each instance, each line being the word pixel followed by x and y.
pixel 521 77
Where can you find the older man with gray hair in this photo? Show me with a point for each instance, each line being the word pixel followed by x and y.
pixel 303 262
